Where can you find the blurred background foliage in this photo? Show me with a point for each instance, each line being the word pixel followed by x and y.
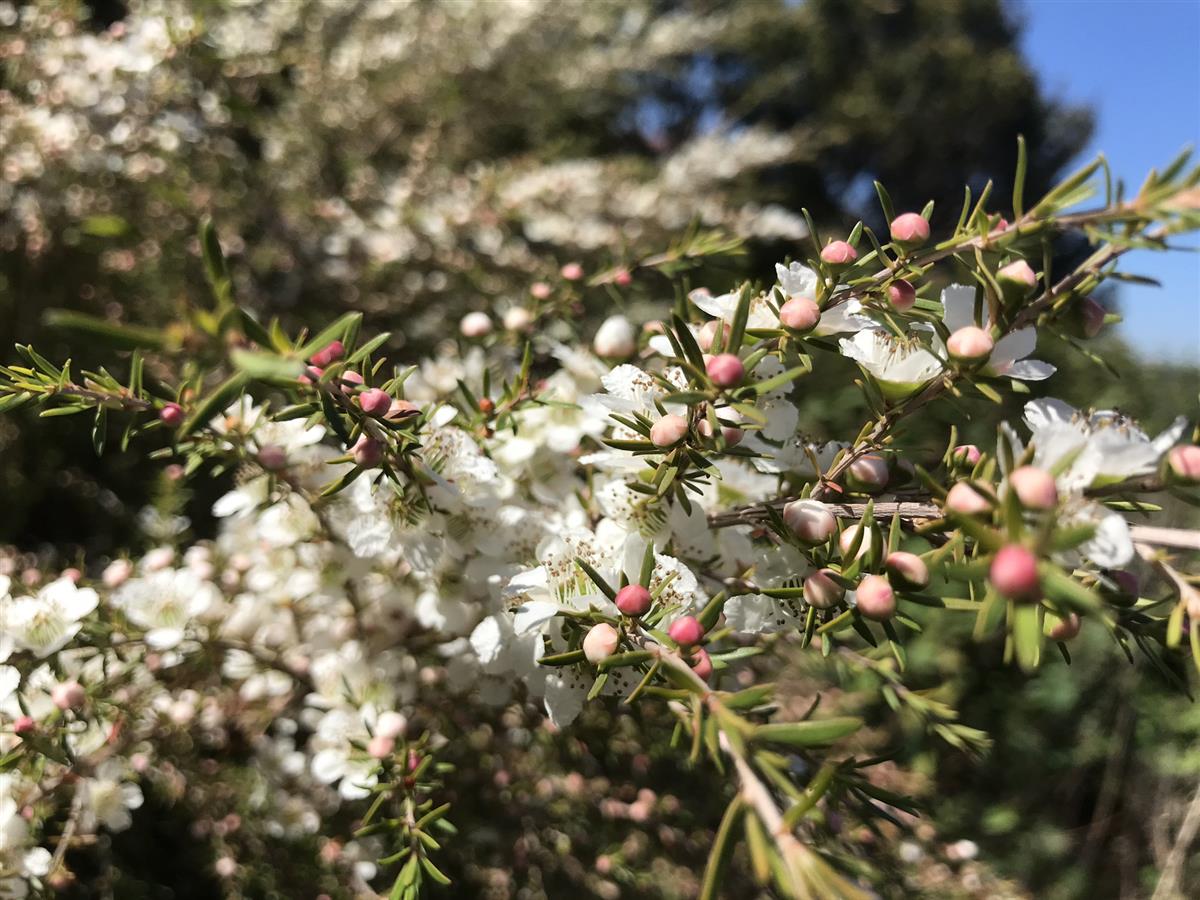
pixel 418 160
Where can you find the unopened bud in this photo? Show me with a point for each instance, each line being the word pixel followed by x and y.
pixel 701 663
pixel 116 573
pixel 910 229
pixel 964 498
pixel 966 454
pixel 1014 574
pixel 800 314
pixel 171 415
pixel 475 325
pixel 622 278
pixel 380 746
pixel 970 344
pixel 1016 280
pixel 868 473
pixel 907 571
pixel 875 598
pixel 1087 318
pixel 686 631
pixel 810 520
pixel 850 535
pixel 902 295
pixel 600 642
pixel 1184 463
pixel 725 370
pixel 68 695
pixel 375 402
pixel 539 290
pixel 821 591
pixel 839 254
pixel 707 336
pixel 616 337
pixel 1034 487
pixel 1063 629
pixel 330 353
pixel 400 409
pixel 367 452
pixel 668 431
pixel 733 436
pixel 572 271
pixel 518 318
pixel 24 725
pixel 390 724
pixel 272 457
pixel 633 600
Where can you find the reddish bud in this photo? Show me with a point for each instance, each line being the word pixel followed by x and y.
pixel 330 353
pixel 375 402
pixel 68 695
pixel 600 642
pixel 725 370
pixel 1014 574
pixel 875 598
pixel 701 663
pixel 686 631
pixel 707 336
pixel 868 473
pixel 907 571
pixel 902 295
pixel 633 600
pixel 350 380
pixel 967 454
pixel 171 415
pixel 272 457
pixel 487 406
pixel 24 725
pixel 966 499
pixel 572 271
pixel 668 431
pixel 1034 487
pixel 367 452
pixel 850 535
pixel 1064 629
pixel 839 253
pixel 1184 463
pixel 910 229
pixel 539 290
pixel 380 746
pixel 800 314
pixel 821 591
pixel 810 520
pixel 622 278
pixel 970 344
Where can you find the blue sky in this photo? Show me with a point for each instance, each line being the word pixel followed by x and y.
pixel 1137 64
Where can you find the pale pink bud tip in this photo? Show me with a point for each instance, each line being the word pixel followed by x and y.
pixel 686 631
pixel 272 457
pixel 375 402
pixel 970 344
pixel 1185 462
pixel 1034 487
pixel 839 253
pixel 902 295
pixel 875 598
pixel 1065 629
pixel 868 473
pixel 381 747
pixel 24 725
pixel 1018 273
pixel 707 336
pixel 967 500
pixel 966 453
pixel 539 290
pixel 733 436
pixel 518 318
pixel 701 663
pixel 367 452
pixel 726 370
pixel 1092 317
pixel 907 571
pixel 600 642
pixel 668 431
pixel 68 695
pixel 633 600
pixel 821 591
pixel 330 353
pixel 475 325
pixel 810 520
pixel 572 271
pixel 171 414
pixel 850 535
pixel 390 724
pixel 622 278
pixel 616 337
pixel 800 314
pixel 910 228
pixel 1014 574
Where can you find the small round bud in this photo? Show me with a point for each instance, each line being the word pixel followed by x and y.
pixel 633 600
pixel 725 370
pixel 1014 574
pixel 850 535
pixel 902 295
pixel 1063 629
pixel 518 318
pixel 539 290
pixel 966 499
pixel 868 473
pixel 970 344
pixel 966 454
pixel 686 631
pixel 616 337
pixel 171 415
pixel 116 573
pixel 800 314
pixel 1034 487
pixel 701 663
pixel 68 695
pixel 1127 582
pixel 390 724
pixel 475 325
pixel 375 402
pixel 733 436
pixel 1016 280
pixel 487 405
pixel 821 591
pixel 572 271
pixel 907 571
pixel 24 725
pixel 330 353
pixel 707 336
pixel 810 520
pixel 381 747
pixel 910 229
pixel 272 457
pixel 839 253
pixel 1184 463
pixel 350 380
pixel 600 642
pixel 875 598
pixel 622 278
pixel 367 452
pixel 400 409
pixel 668 431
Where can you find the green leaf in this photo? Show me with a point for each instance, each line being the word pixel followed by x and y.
pixel 721 850
pixel 808 734
pixel 118 337
pixel 596 579
pixel 106 226
pixel 335 332
pixel 215 269
pixel 1018 202
pixel 1027 635
pixel 214 403
pixel 267 366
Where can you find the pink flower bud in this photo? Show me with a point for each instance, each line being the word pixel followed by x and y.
pixel 733 436
pixel 668 431
pixel 910 229
pixel 622 278
pixel 400 409
pixel 24 725
pixel 116 573
pixel 350 380
pixel 367 452
pixel 868 473
pixel 330 353
pixel 821 591
pixel 902 295
pixel 539 290
pixel 907 571
pixel 518 318
pixel 970 344
pixel 572 271
pixel 390 724
pixel 966 499
pixel 1034 487
pixel 850 535
pixel 686 631
pixel 1184 462
pixel 701 663
pixel 68 695
pixel 1127 582
pixel 839 253
pixel 475 325
pixel 1016 279
pixel 1065 629
pixel 375 402
pixel 810 520
pixel 311 375
pixel 633 600
pixel 875 598
pixel 1091 317
pixel 381 747
pixel 72 575
pixel 615 337
pixel 725 370
pixel 1014 573
pixel 171 415
pixel 600 642
pixel 707 335
pixel 967 454
pixel 800 314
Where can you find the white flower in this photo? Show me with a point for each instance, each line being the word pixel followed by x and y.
pixel 615 337
pixel 108 798
pixel 164 603
pixel 45 623
pixel 900 366
pixel 1008 356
